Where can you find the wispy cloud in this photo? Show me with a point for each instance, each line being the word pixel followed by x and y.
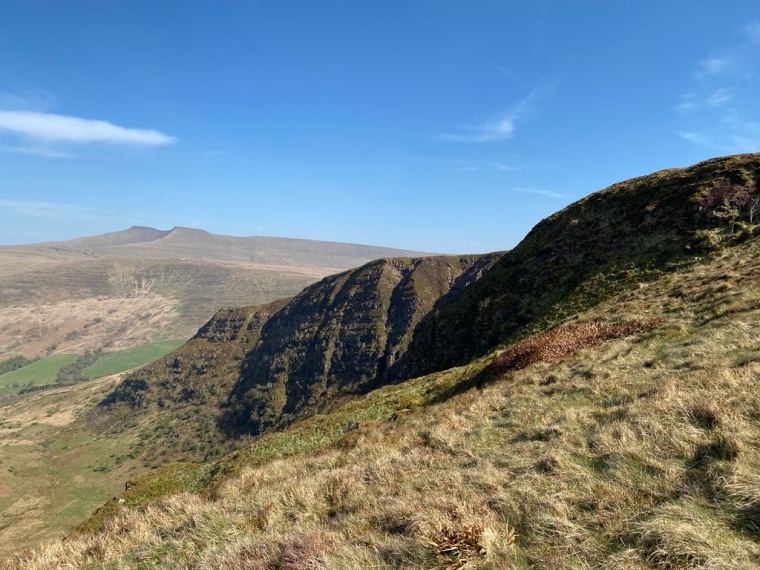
pixel 720 97
pixel 540 192
pixel 502 126
pixel 714 65
pixel 39 151
pixel 42 210
pixel 496 164
pixel 509 72
pixel 719 110
pixel 27 99
pixel 49 128
pixel 753 32
pixel 53 210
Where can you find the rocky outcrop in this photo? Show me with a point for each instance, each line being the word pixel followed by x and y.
pixel 342 336
pixel 262 367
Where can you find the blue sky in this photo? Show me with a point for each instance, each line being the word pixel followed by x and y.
pixel 435 125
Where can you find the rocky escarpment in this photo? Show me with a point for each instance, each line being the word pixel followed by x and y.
pixel 202 371
pixel 257 368
pixel 395 319
pixel 341 336
pixel 610 240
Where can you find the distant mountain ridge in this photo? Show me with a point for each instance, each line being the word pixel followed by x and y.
pixel 124 289
pixel 196 244
pixel 135 234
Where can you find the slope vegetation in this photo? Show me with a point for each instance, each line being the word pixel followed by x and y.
pixel 255 369
pixel 600 412
pixel 637 450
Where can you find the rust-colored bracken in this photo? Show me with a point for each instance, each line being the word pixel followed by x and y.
pixel 564 340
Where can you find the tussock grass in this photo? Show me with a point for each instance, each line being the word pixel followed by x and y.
pixel 640 452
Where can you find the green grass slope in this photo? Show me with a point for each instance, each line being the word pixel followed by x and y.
pixel 53 470
pixel 122 360
pixel 632 452
pixel 40 372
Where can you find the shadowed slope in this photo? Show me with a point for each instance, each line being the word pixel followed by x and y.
pixel 340 336
pixel 258 368
pixel 602 244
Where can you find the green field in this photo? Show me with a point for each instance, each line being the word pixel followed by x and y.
pixel 114 362
pixel 42 371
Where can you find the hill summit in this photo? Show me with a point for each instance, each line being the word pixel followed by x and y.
pixel 140 242
pixel 124 289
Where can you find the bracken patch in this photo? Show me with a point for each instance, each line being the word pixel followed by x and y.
pixel 562 341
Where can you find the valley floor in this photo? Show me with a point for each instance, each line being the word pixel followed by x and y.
pixel 53 470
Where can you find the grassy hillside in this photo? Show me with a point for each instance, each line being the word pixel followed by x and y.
pixel 603 413
pixel 119 361
pixel 42 371
pixel 635 452
pixel 69 305
pixel 53 470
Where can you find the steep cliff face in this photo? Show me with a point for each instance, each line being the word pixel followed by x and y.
pixel 256 368
pixel 203 371
pixel 627 233
pixel 398 318
pixel 341 336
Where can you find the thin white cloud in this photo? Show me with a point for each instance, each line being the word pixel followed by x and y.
pixel 39 151
pixel 53 210
pixel 734 135
pixel 500 164
pixel 719 110
pixel 60 128
pixel 714 65
pixel 753 32
pixel 27 99
pixel 506 70
pixel 696 138
pixel 502 126
pixel 540 192
pixel 720 97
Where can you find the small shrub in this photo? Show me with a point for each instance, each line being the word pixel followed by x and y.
pixel 458 547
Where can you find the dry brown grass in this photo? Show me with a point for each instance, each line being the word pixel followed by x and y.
pixel 636 453
pixel 122 323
